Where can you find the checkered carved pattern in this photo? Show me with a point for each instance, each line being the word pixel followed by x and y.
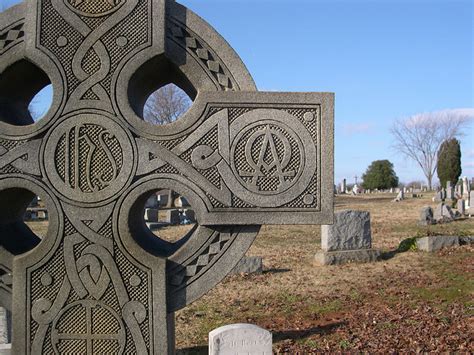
pixel 193 269
pixel 199 49
pixel 10 36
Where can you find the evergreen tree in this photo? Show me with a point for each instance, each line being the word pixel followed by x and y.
pixel 380 175
pixel 449 161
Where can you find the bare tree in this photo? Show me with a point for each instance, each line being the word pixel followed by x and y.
pixel 419 137
pixel 166 105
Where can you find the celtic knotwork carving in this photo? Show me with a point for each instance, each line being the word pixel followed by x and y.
pixel 23 157
pixel 100 282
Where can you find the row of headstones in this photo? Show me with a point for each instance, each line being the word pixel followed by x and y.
pixel 349 239
pixel 356 189
pixel 171 217
pixel 461 191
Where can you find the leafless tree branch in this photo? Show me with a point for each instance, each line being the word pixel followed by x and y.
pixel 419 137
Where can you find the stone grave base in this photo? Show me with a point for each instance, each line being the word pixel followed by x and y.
pixel 435 243
pixel 156 225
pixel 249 265
pixel 5 349
pixel 346 256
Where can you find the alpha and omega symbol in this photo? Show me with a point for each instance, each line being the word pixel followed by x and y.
pixel 94 8
pixel 268 149
pixel 88 158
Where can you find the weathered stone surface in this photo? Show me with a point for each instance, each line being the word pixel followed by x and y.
pixel 5 336
pixel 346 256
pixel 240 339
pixel 426 216
pixel 443 213
pixel 94 162
pixel 350 231
pixel 435 243
pixel 249 265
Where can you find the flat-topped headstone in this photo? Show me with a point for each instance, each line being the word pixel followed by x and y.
pixel 435 243
pixel 239 339
pixel 349 239
pixel 350 231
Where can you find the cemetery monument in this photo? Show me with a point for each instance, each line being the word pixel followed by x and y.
pixel 100 281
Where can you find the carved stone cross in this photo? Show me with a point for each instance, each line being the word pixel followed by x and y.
pixel 100 282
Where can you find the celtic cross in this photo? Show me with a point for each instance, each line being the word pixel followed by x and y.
pixel 99 281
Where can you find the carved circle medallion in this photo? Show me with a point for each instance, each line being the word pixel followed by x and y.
pixel 88 158
pixel 268 157
pixel 94 8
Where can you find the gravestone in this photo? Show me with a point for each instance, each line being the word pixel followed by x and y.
pixel 443 213
pixel 461 207
pixel 249 265
pixel 466 188
pixel 349 239
pixel 449 191
pixel 343 186
pixel 438 196
pixel 151 215
pixel 400 196
pixel 240 339
pixel 426 216
pixel 470 210
pixel 100 281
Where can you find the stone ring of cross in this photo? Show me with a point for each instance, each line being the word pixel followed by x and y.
pixel 99 281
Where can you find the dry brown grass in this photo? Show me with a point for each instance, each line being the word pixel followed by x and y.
pixel 305 306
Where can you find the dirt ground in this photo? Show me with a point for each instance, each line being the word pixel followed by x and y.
pixel 409 302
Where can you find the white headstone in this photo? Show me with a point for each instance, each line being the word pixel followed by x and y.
pixel 240 339
pixel 466 188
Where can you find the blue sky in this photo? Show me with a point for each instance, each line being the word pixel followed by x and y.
pixel 384 59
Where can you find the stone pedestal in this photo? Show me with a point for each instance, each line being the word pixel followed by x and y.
pixel 347 240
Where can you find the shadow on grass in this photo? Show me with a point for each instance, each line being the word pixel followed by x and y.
pixel 196 350
pixel 404 246
pixel 275 271
pixel 305 333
